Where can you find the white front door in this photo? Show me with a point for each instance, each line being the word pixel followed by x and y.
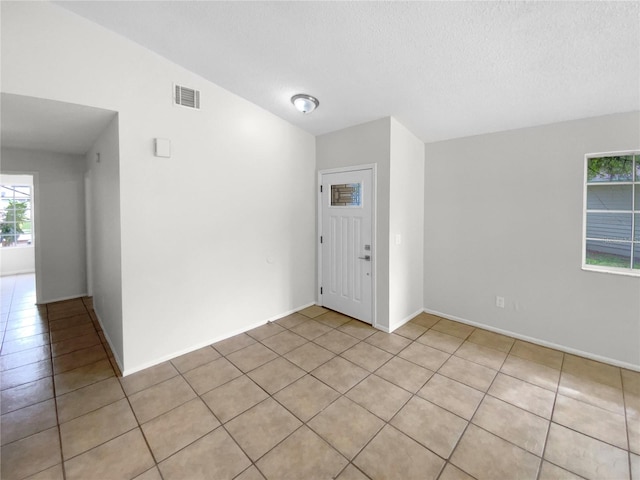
pixel 347 250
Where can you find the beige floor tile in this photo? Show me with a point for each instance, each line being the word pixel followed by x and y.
pixel 313 311
pixel 126 456
pixel 27 331
pixel 250 473
pixel 151 474
pixel 82 376
pixel 452 395
pixel 393 455
pixel 352 473
pixel 483 355
pixel 455 329
pixel 194 359
pixel 333 319
pixel 251 357
pixel 593 421
pixel 211 375
pixel 25 374
pixel 427 320
pixel 536 353
pixel 311 329
pixel 451 472
pixel 284 342
pixel 441 341
pixel 427 357
pixel 389 342
pixel 262 427
pixel 73 321
pixel 77 343
pixel 303 455
pixel 306 397
pixel 160 398
pixel 234 397
pixel 631 381
pixel 549 471
pixel 79 358
pixel 100 426
pixel 591 370
pixel 592 392
pixel 346 426
pixel 25 357
pixel 410 330
pixel 404 374
pixel 25 343
pixel 340 374
pixel 491 340
pixel 531 372
pixel 233 344
pixel 633 430
pixel 27 421
pixel 432 426
pixel 179 427
pixel 588 457
pixel 336 341
pixel 469 373
pixel 24 395
pixel 357 329
pixel 276 374
pixel 524 395
pixel 51 473
pixel 265 331
pixel 148 377
pixel 309 356
pixel 379 396
pixel 487 457
pixel 367 356
pixel 511 423
pixel 72 332
pixel 292 320
pixel 635 466
pixel 89 398
pixel 30 455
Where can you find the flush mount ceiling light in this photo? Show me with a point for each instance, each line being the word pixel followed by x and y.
pixel 305 103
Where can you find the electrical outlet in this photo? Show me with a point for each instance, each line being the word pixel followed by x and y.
pixel 499 302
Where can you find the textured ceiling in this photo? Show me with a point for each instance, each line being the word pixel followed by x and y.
pixel 443 69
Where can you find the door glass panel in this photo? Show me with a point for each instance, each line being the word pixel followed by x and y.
pixel 346 195
pixel 609 226
pixel 609 197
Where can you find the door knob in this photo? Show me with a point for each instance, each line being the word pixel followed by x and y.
pixel 366 257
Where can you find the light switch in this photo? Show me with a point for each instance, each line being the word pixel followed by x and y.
pixel 163 147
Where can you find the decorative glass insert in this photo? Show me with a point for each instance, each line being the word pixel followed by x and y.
pixel 346 195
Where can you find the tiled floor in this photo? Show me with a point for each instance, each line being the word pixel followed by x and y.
pixel 314 395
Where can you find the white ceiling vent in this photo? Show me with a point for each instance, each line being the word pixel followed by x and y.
pixel 187 97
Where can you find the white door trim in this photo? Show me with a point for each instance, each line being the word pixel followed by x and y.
pixel 374 236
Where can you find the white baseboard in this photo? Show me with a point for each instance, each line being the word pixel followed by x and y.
pixel 62 299
pixel 106 336
pixel 537 341
pixel 400 323
pixel 17 272
pixel 208 342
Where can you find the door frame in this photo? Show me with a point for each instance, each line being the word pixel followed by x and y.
pixel 374 216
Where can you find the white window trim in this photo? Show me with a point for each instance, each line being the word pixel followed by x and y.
pixel 599 268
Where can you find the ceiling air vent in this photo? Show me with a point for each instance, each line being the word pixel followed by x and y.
pixel 187 97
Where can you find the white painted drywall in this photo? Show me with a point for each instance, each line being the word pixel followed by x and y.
pixel 406 225
pixel 364 144
pixel 197 228
pixel 503 216
pixel 17 259
pixel 104 243
pixel 59 220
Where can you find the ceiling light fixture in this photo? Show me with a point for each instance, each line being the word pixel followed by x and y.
pixel 305 103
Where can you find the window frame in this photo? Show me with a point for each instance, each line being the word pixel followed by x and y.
pixel 29 201
pixel 635 210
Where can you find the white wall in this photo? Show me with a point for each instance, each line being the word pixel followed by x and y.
pixel 406 219
pixel 59 220
pixel 17 259
pixel 503 216
pixel 364 144
pixel 104 239
pixel 196 228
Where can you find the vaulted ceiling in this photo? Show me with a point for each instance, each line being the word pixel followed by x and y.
pixel 443 69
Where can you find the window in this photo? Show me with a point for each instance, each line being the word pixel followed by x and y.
pixel 15 215
pixel 612 213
